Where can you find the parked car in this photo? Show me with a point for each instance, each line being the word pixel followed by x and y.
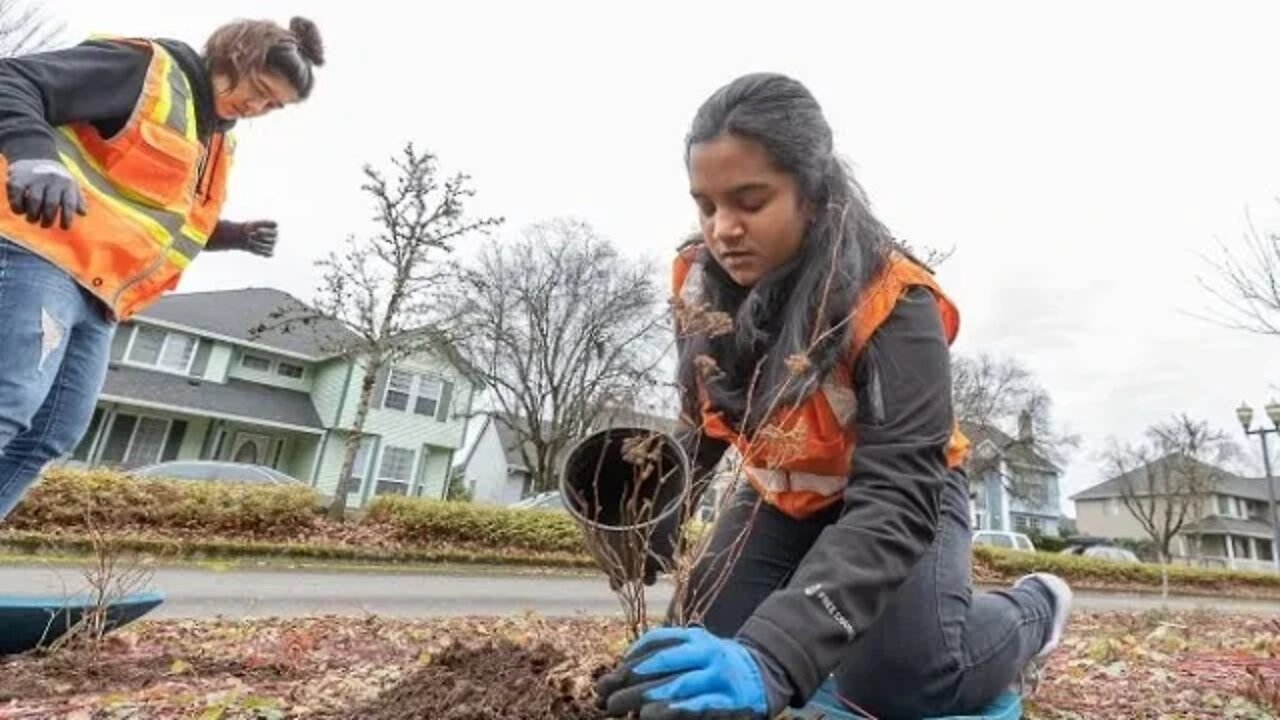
pixel 549 500
pixel 1101 550
pixel 1002 539
pixel 216 471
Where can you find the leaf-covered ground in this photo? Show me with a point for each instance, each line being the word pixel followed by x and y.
pixel 1111 666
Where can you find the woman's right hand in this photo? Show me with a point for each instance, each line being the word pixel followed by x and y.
pixel 42 190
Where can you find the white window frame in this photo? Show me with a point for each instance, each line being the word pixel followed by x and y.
pixel 133 435
pixel 360 475
pixel 382 459
pixel 416 383
pixel 156 367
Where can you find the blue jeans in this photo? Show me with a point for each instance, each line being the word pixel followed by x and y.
pixel 55 342
pixel 938 648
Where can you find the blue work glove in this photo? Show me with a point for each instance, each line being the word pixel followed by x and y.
pixel 44 190
pixel 257 237
pixel 688 673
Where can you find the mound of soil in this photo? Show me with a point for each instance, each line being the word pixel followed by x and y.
pixel 498 680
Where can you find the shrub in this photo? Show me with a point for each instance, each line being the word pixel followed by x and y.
pixel 1013 564
pixel 117 502
pixel 1047 543
pixel 418 521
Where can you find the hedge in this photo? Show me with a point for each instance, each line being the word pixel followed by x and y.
pixel 1011 563
pixel 72 499
pixel 185 518
pixel 415 521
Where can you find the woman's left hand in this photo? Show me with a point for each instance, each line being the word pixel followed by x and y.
pixel 688 673
pixel 257 237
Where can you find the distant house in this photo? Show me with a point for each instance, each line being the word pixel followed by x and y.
pixel 1012 486
pixel 189 379
pixel 494 469
pixel 1229 528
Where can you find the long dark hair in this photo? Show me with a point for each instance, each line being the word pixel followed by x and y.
pixel 792 326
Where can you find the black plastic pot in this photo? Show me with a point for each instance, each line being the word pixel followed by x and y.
pixel 629 503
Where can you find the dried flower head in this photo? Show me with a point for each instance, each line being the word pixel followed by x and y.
pixel 781 446
pixel 644 452
pixel 700 319
pixel 707 366
pixel 798 364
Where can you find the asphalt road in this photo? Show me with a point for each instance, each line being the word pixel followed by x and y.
pixel 241 593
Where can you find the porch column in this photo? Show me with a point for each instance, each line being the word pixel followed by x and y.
pixel 95 447
pixel 1231 552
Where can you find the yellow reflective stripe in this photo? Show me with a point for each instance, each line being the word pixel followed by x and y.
pixel 161 112
pixel 82 154
pixel 180 101
pixel 177 258
pixel 153 228
pixel 190 111
pixel 195 235
pixel 91 176
pixel 184 245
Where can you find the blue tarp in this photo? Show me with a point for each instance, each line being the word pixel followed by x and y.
pixel 29 622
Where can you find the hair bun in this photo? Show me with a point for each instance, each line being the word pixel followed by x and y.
pixel 309 42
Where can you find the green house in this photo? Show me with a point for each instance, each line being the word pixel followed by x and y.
pixel 196 377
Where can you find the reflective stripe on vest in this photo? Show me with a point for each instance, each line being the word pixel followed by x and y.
pixel 773 481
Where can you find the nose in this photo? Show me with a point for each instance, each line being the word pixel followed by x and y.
pixel 727 227
pixel 256 107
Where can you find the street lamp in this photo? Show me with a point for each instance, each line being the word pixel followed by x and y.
pixel 1245 415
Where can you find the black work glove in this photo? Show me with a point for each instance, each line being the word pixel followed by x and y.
pixel 257 237
pixel 42 190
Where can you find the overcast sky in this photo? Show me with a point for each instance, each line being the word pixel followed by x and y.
pixel 1079 158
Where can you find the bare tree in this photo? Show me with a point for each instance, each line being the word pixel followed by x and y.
pixel 562 329
pixel 378 287
pixel 1245 282
pixel 1001 393
pixel 1165 480
pixel 25 28
pixel 929 255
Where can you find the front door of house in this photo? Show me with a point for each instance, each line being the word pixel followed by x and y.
pixel 251 448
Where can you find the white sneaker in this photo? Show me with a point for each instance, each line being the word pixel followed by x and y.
pixel 1029 678
pixel 1061 608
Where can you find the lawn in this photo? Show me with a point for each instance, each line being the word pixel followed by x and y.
pixel 1151 665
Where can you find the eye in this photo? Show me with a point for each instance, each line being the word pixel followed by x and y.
pixel 753 200
pixel 705 207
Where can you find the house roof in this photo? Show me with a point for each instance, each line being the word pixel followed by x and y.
pixel 234 314
pixel 1226 483
pixel 235 400
pixel 1218 525
pixel 1015 451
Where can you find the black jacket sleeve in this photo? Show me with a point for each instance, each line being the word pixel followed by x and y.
pixel 890 513
pixel 97 82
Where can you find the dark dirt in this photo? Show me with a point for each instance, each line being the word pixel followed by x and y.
pixel 497 680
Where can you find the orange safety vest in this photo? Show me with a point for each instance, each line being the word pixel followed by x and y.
pixel 153 194
pixel 799 461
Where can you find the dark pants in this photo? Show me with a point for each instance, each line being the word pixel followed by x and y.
pixel 938 648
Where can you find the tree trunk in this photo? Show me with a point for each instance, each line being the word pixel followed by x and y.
pixel 1164 579
pixel 338 507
